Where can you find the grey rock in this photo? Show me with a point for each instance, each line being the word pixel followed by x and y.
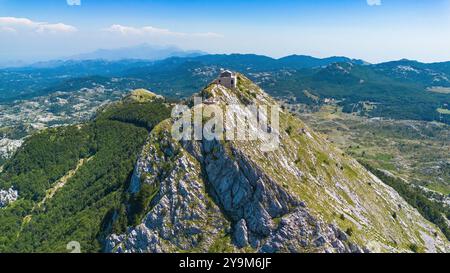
pixel 339 246
pixel 240 235
pixel 355 248
pixel 320 240
pixel 341 235
pixel 8 196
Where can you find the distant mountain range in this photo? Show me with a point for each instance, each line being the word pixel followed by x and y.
pixel 141 52
pixel 391 90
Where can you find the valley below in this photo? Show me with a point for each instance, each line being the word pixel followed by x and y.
pixel 22 118
pixel 415 151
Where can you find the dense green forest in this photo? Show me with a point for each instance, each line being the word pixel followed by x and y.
pixel 103 152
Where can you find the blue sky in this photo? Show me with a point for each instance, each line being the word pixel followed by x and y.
pixel 374 30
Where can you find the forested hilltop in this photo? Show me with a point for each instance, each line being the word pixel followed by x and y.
pixel 70 179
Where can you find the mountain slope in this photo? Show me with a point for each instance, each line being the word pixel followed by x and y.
pixel 69 179
pixel 305 196
pixel 300 61
pixel 434 74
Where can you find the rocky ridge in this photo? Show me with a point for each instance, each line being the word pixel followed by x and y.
pixel 231 196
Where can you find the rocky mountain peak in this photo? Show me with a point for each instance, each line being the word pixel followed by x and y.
pixel 225 195
pixel 245 92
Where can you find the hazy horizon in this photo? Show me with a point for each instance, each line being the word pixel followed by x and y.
pixel 75 57
pixel 372 30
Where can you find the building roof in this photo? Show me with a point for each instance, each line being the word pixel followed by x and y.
pixel 226 74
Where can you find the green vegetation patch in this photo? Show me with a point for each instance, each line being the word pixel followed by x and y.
pixel 139 203
pixel 90 204
pixel 147 114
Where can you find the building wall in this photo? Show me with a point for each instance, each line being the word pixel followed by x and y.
pixel 229 82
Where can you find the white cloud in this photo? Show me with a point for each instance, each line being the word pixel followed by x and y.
pixel 13 24
pixel 59 27
pixel 74 2
pixel 11 21
pixel 374 2
pixel 154 31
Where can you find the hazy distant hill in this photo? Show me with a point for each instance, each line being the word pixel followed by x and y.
pixel 48 77
pixel 302 61
pixel 400 90
pixel 142 52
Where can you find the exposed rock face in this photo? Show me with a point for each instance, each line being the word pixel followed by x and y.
pixel 8 147
pixel 242 189
pixel 182 217
pixel 305 196
pixel 240 234
pixel 299 230
pixel 7 197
